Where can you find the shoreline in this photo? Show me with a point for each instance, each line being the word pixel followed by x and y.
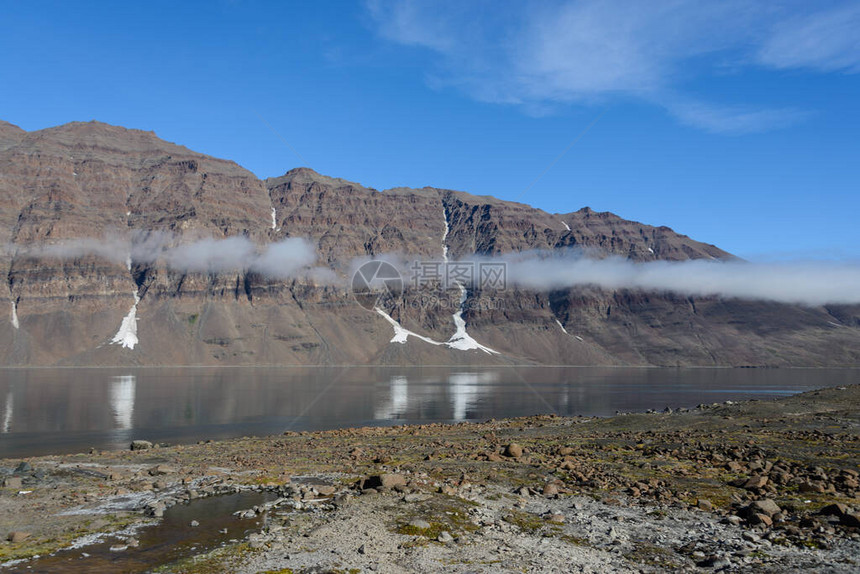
pixel 740 473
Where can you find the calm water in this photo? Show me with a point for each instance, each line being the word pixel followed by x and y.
pixel 72 410
pixel 170 540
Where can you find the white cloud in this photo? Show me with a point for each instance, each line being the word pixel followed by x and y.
pixel 545 54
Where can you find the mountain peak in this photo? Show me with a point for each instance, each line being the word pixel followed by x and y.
pixel 306 175
pixel 10 134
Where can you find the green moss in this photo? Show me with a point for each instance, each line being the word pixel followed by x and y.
pixel 36 546
pixel 525 521
pixel 652 555
pixel 218 560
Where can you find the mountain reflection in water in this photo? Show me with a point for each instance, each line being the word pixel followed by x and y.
pixel 72 410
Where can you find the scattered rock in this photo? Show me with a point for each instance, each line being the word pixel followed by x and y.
pixel 513 450
pixel 550 490
pixel 141 445
pixel 835 509
pixel 758 518
pixel 194 524
pixel 13 482
pixel 756 481
pixel 383 481
pixel 765 506
pixel 716 562
pixel 419 524
pixel 17 536
pixel 161 469
pixel 445 537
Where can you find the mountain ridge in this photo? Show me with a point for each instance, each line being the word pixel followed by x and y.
pixel 91 180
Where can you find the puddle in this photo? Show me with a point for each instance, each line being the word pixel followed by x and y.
pixel 172 539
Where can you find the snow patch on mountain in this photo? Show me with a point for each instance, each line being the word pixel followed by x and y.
pixel 461 339
pixel 401 335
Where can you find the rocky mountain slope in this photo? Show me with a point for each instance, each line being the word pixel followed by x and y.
pixel 89 182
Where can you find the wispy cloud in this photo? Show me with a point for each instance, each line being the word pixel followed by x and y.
pixel 544 54
pixel 732 119
pixel 826 41
pixel 808 283
pixel 280 260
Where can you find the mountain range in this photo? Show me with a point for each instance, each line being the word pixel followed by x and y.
pixel 86 184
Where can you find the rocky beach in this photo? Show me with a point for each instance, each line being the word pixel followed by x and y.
pixel 767 486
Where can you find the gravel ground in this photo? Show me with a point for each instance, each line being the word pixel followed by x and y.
pixel 767 486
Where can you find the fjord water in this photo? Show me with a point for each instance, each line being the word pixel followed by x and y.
pixel 45 411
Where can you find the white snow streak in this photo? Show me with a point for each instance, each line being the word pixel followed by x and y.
pixel 562 327
pixel 460 339
pixel 15 322
pixel 274 219
pixel 122 400
pixel 445 237
pixel 566 226
pixel 127 334
pixel 401 334
pixel 650 250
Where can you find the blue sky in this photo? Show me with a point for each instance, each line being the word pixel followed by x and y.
pixel 733 122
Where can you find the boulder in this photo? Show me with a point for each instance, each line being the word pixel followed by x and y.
pixel 765 506
pixel 161 469
pixel 17 536
pixel 13 482
pixel 513 450
pixel 760 519
pixel 756 481
pixel 389 480
pixel 836 509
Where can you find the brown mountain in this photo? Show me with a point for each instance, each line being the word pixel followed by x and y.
pixel 94 181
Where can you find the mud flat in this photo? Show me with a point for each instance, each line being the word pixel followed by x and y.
pixel 766 486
